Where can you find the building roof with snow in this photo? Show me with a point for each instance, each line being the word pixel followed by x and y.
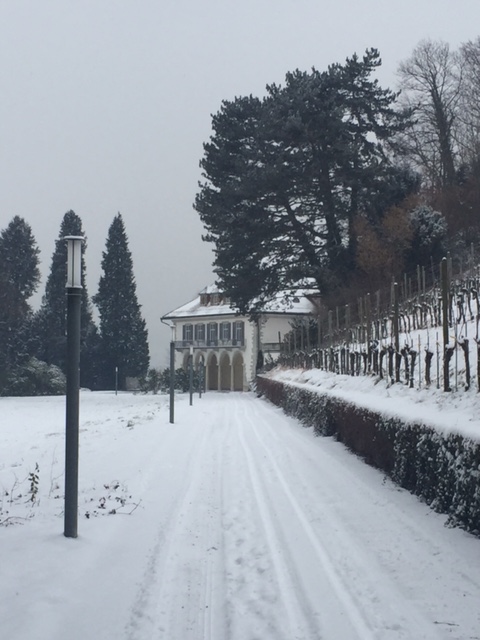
pixel 212 302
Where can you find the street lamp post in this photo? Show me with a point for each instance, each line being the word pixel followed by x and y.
pixel 190 374
pixel 201 375
pixel 172 376
pixel 74 298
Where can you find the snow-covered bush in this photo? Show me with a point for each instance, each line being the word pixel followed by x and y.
pixel 151 382
pixel 429 236
pixel 35 378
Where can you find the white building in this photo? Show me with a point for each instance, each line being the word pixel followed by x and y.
pixel 227 343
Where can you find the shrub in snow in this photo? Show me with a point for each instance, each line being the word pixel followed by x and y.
pixel 429 239
pixel 35 378
pixel 152 382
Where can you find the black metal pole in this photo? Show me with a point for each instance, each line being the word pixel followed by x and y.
pixel 74 297
pixel 172 381
pixel 396 331
pixel 200 377
pixel 190 371
pixel 445 309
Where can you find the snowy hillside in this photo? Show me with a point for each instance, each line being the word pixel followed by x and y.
pixel 235 523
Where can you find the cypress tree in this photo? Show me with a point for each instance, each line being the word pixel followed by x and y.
pixel 50 321
pixel 19 278
pixel 123 332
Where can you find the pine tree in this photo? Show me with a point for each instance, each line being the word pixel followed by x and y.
pixel 286 176
pixel 50 320
pixel 123 332
pixel 19 278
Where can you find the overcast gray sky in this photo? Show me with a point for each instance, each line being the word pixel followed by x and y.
pixel 105 104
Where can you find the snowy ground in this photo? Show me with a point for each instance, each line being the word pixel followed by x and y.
pixel 235 523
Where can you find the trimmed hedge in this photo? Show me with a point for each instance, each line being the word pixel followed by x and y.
pixel 442 469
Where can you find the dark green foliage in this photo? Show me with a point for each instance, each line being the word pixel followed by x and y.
pixel 19 259
pixel 152 382
pixel 429 241
pixel 444 470
pixel 34 378
pixel 286 176
pixel 157 380
pixel 398 183
pixel 49 323
pixel 405 448
pixel 182 380
pixel 19 278
pixel 123 332
pixel 427 456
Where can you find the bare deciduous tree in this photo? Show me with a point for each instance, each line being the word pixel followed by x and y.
pixel 431 81
pixel 469 113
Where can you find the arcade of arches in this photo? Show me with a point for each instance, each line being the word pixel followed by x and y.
pixel 224 371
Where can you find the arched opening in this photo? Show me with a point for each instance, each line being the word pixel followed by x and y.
pixel 237 365
pixel 225 372
pixel 212 373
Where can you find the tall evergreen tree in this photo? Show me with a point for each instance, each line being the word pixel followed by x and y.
pixel 50 321
pixel 123 332
pixel 286 176
pixel 19 278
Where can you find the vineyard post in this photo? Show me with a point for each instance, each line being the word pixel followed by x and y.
pixel 396 331
pixel 445 306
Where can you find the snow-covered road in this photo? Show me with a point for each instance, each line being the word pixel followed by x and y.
pixel 249 528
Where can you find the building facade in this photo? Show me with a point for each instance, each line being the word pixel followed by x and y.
pixel 227 344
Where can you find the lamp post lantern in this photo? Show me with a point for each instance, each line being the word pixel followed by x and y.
pixel 74 298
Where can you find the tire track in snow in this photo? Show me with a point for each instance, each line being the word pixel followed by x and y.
pixel 426 579
pixel 181 593
pixel 386 602
pixel 276 555
pixel 142 623
pixel 307 620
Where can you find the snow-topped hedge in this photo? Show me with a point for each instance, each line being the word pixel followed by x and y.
pixel 441 468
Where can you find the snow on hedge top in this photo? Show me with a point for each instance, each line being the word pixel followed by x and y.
pixel 448 412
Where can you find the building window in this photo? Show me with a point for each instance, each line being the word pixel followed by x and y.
pixel 213 333
pixel 200 332
pixel 216 299
pixel 238 332
pixel 225 331
pixel 188 333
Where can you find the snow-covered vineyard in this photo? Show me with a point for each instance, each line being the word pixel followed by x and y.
pixel 234 523
pixel 406 334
